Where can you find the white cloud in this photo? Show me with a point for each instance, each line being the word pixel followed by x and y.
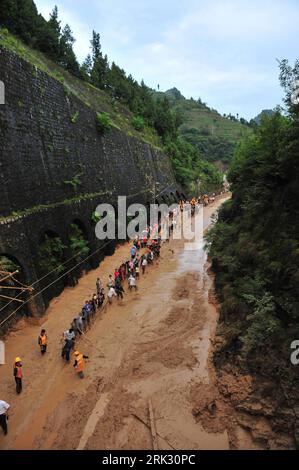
pixel 221 50
pixel 239 20
pixel 81 30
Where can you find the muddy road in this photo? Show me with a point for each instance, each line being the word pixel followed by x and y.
pixel 152 349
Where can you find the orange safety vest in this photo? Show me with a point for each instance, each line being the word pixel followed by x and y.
pixel 43 340
pixel 80 363
pixel 19 374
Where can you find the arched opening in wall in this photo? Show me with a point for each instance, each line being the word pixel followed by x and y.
pixel 173 198
pixel 79 248
pixel 13 292
pixel 51 256
pixel 99 255
pixel 167 199
pixel 106 246
pixel 109 247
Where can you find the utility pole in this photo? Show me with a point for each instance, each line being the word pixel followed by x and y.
pixel 9 276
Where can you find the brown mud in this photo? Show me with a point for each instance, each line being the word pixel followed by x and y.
pixel 156 345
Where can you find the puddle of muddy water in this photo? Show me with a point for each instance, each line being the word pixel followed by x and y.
pixel 195 260
pixel 137 324
pixel 177 422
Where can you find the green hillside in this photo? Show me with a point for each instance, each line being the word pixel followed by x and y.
pixel 160 130
pixel 254 252
pixel 214 135
pixel 120 116
pixel 264 112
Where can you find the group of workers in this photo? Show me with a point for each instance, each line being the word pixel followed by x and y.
pixel 130 269
pixel 17 368
pixel 204 200
pixel 150 244
pixel 150 241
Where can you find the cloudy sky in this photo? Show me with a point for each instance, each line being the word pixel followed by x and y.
pixel 224 51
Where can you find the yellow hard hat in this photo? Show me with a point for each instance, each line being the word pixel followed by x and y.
pixel 18 359
pixel 76 353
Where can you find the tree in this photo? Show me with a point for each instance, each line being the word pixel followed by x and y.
pixel 254 245
pixel 48 39
pixel 86 67
pixel 289 78
pixel 189 166
pixel 118 84
pixel 95 44
pixel 20 17
pixel 100 67
pixel 54 25
pixel 9 14
pixel 164 119
pixel 67 56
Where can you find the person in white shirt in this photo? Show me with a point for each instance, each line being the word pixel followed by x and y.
pixel 143 264
pixel 110 281
pixel 4 407
pixel 69 342
pixel 69 335
pixel 132 282
pixel 110 294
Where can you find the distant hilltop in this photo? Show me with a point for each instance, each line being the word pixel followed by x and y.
pixel 216 136
pixel 174 94
pixel 265 112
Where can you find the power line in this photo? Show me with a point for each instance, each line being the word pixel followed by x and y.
pixel 65 262
pixel 9 278
pixel 49 285
pixel 46 275
pixel 55 269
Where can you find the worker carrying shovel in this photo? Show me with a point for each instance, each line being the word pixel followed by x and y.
pixel 80 363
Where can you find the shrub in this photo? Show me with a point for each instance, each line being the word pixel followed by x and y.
pixel 103 122
pixel 95 217
pixel 78 244
pixel 263 323
pixel 74 182
pixel 6 264
pixel 138 123
pixel 75 117
pixel 50 254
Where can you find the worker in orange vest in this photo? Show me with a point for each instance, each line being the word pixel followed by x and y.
pixel 43 341
pixel 79 363
pixel 18 374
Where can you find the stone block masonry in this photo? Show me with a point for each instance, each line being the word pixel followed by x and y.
pixel 55 168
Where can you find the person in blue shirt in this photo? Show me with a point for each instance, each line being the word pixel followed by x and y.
pixel 133 251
